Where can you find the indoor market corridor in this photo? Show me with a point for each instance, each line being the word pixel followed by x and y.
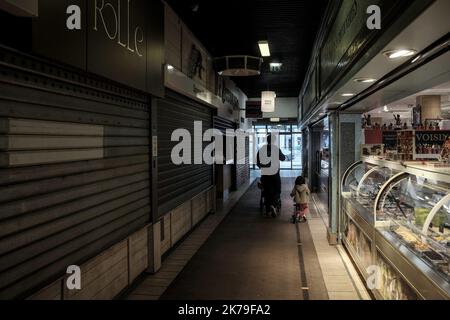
pixel 251 257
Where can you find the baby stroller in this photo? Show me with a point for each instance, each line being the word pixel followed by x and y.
pixel 262 203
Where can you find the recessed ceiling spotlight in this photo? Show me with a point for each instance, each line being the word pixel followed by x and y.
pixel 347 94
pixel 365 80
pixel 399 53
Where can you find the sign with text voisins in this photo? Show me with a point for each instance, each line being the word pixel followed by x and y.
pixel 437 137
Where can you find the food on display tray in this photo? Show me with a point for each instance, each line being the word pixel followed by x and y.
pixel 406 235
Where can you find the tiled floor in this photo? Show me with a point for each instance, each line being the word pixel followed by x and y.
pixel 325 273
pixel 341 278
pixel 151 287
pixel 248 257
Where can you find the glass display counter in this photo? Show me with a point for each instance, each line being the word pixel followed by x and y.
pixel 396 218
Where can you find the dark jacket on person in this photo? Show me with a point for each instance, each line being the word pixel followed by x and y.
pixel 268 151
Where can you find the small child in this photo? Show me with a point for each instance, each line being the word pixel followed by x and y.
pixel 301 195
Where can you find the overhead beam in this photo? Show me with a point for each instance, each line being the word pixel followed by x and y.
pixel 21 8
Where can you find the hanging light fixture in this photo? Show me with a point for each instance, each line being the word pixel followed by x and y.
pixel 268 101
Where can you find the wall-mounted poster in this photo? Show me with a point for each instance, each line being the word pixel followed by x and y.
pixel 372 150
pixel 417 116
pixel 390 140
pixel 405 145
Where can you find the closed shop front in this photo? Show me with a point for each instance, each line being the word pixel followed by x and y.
pixel 235 172
pixel 179 183
pixel 243 166
pixel 182 193
pixel 74 175
pixel 225 172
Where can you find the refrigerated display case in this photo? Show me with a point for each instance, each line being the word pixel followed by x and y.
pixel 396 220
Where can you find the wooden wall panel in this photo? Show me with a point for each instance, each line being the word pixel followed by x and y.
pixel 100 273
pixel 155 260
pixel 166 242
pixel 107 274
pixel 74 168
pixel 199 209
pixel 51 292
pixel 138 254
pixel 181 222
pixel 211 200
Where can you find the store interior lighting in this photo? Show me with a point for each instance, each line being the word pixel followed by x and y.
pixel 264 48
pixel 400 53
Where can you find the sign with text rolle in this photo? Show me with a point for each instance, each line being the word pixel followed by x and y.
pixel 122 40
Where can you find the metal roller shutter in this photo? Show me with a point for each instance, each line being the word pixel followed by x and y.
pixel 243 170
pixel 223 124
pixel 240 172
pixel 178 184
pixel 74 169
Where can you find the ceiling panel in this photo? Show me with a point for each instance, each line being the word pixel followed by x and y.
pixel 229 27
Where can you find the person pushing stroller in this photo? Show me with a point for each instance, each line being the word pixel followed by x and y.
pixel 301 195
pixel 268 160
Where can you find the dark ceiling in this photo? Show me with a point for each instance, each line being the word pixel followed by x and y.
pixel 233 27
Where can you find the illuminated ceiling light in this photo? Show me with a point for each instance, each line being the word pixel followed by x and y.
pixel 264 48
pixel 386 109
pixel 347 94
pixel 400 53
pixel 274 119
pixel 268 101
pixel 416 59
pixel 365 80
pixel 170 67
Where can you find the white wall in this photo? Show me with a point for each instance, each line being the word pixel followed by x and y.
pixel 242 97
pixel 284 108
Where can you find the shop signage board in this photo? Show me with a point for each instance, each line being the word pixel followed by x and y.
pixel 429 144
pixel 253 110
pixel 117 41
pixel 349 35
pixel 121 40
pixel 52 38
pixel 310 96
